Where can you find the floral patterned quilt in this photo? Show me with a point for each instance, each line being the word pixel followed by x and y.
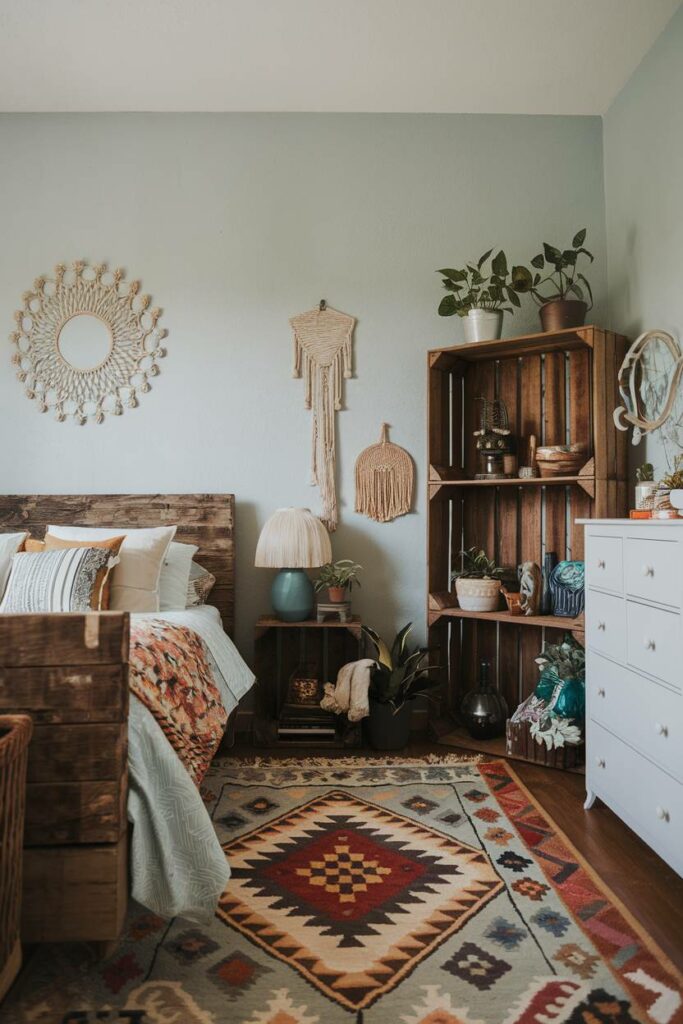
pixel 170 673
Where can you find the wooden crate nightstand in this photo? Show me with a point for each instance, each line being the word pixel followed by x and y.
pixel 279 649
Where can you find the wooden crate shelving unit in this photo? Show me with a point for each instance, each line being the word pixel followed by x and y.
pixel 562 387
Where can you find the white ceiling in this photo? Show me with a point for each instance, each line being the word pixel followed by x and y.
pixel 492 56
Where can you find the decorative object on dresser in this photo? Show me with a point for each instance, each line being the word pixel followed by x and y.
pixel 15 735
pixel 634 683
pixel 483 710
pixel 480 300
pixel 649 386
pixel 555 387
pixel 563 302
pixel 384 480
pixel 284 651
pixel 664 507
pixel 401 674
pixel 70 674
pixel 646 488
pixel 292 540
pixel 478 581
pixel 323 340
pixel 86 345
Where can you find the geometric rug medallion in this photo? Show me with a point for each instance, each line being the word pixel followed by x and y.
pixel 371 892
pixel 351 895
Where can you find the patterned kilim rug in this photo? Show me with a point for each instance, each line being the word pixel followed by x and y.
pixel 374 893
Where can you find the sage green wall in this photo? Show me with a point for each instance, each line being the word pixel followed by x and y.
pixel 236 222
pixel 643 142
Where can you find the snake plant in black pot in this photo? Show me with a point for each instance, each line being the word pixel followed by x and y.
pixel 401 674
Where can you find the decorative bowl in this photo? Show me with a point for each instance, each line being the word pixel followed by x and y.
pixel 478 595
pixel 561 459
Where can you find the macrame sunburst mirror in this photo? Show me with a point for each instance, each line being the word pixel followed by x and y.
pixel 86 343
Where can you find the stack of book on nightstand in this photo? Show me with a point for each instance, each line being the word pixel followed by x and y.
pixel 304 722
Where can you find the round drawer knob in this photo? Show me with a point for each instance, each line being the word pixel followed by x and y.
pixel 662 813
pixel 601 625
pixel 601 692
pixel 600 761
pixel 648 570
pixel 661 729
pixel 649 644
pixel 601 563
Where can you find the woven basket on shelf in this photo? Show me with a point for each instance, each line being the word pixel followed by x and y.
pixel 15 734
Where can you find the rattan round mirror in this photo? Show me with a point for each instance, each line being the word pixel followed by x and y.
pixel 86 343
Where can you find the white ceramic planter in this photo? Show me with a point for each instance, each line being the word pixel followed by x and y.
pixel 483 325
pixel 676 499
pixel 475 595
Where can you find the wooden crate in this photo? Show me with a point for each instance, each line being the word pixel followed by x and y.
pixel 562 387
pixel 70 674
pixel 520 744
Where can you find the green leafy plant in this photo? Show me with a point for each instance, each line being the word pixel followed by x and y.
pixel 645 473
pixel 477 565
pixel 469 287
pixel 401 672
pixel 567 659
pixel 674 481
pixel 343 573
pixel 564 281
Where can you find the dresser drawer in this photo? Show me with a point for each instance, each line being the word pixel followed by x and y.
pixel 640 711
pixel 606 624
pixel 641 793
pixel 653 641
pixel 653 571
pixel 604 562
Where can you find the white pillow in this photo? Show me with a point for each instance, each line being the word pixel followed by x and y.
pixel 9 545
pixel 175 576
pixel 135 580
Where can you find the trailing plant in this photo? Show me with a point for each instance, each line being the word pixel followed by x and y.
pixel 645 473
pixel 471 288
pixel 566 659
pixel 563 280
pixel 674 481
pixel 402 672
pixel 343 573
pixel 477 565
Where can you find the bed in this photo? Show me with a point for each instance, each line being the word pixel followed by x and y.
pixel 100 759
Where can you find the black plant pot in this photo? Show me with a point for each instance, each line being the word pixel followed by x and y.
pixel 388 730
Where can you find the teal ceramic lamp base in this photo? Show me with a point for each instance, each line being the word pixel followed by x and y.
pixel 292 595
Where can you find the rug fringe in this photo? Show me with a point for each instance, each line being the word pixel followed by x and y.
pixel 358 761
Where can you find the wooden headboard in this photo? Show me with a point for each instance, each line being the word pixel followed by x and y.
pixel 207 520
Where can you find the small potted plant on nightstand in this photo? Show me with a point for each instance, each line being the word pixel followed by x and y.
pixel 338 579
pixel 565 289
pixel 478 582
pixel 481 300
pixel 400 675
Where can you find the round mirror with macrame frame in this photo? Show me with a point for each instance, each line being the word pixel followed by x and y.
pixel 86 343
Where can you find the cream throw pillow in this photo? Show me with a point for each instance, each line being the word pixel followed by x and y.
pixel 135 580
pixel 10 543
pixel 175 576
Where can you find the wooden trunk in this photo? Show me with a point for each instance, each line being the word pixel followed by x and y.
pixel 561 387
pixel 70 674
pixel 521 744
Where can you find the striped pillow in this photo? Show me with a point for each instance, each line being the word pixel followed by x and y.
pixel 200 585
pixel 70 580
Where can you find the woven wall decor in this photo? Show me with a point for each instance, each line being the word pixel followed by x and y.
pixel 99 301
pixel 323 340
pixel 384 480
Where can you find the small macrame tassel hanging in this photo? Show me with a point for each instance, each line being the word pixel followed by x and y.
pixel 384 480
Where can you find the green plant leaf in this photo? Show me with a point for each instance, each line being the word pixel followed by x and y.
pixel 513 297
pixel 453 275
pixel 569 257
pixel 575 289
pixel 483 259
pixel 499 264
pixel 447 306
pixel 521 279
pixel 552 254
pixel 579 238
pixel 399 644
pixel 538 261
pixel 587 253
pixel 588 288
pixel 383 655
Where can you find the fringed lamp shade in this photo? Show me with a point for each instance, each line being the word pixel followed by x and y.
pixel 293 539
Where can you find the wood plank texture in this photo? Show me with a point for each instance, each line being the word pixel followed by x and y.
pixel 78 753
pixel 206 520
pixel 82 693
pixel 75 812
pixel 63 640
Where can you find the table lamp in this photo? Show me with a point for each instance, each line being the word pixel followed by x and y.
pixel 292 540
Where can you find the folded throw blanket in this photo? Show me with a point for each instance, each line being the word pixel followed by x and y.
pixel 350 693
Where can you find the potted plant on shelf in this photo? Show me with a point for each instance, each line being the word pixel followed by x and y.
pixel 338 578
pixel 400 675
pixel 478 582
pixel 480 299
pixel 565 289
pixel 669 495
pixel 646 488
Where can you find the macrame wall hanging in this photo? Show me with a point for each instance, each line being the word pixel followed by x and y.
pixel 384 480
pixel 322 353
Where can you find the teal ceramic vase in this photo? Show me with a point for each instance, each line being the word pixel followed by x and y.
pixel 292 595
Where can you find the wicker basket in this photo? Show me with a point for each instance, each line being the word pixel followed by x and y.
pixel 15 733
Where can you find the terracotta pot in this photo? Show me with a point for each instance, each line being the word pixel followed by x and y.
pixel 336 595
pixel 476 595
pixel 560 314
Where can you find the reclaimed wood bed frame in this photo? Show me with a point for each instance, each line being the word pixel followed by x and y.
pixel 70 673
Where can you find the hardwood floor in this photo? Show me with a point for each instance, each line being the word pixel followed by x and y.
pixel 651 890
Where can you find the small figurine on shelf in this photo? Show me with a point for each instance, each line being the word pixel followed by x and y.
pixel 529 469
pixel 529 587
pixel 567 588
pixel 493 439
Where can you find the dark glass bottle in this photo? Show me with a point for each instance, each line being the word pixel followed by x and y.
pixel 549 563
pixel 483 711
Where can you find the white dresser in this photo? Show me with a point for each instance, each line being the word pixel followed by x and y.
pixel 634 676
